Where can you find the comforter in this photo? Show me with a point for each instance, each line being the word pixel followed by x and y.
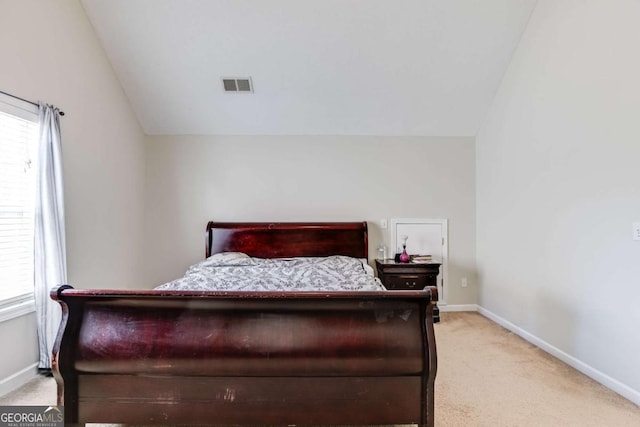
pixel 239 272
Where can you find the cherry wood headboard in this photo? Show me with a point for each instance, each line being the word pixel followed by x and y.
pixel 288 239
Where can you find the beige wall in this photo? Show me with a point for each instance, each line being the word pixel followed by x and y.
pixel 558 187
pixel 193 179
pixel 49 52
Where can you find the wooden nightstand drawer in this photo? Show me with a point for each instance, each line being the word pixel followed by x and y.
pixel 406 281
pixel 409 276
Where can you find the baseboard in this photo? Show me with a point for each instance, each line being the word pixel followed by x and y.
pixel 611 383
pixel 18 379
pixel 458 307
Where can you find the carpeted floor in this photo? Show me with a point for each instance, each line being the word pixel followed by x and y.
pixel 487 376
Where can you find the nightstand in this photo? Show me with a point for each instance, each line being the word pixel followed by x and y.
pixel 396 276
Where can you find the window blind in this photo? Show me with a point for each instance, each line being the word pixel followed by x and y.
pixel 18 144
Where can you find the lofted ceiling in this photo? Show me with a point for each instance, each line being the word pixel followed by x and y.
pixel 336 67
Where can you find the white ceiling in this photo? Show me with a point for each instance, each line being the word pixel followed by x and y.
pixel 366 67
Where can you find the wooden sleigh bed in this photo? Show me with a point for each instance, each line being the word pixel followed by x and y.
pixel 249 358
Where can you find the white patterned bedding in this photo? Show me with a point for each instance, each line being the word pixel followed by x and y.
pixel 239 272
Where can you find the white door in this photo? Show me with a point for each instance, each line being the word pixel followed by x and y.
pixel 424 237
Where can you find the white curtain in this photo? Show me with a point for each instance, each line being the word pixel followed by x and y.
pixel 50 252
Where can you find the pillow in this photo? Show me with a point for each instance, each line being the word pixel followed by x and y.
pixel 222 259
pixel 225 256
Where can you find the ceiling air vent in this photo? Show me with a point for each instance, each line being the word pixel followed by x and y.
pixel 237 84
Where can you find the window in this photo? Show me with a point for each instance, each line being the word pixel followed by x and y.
pixel 18 155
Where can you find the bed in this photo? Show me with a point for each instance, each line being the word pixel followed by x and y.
pixel 201 357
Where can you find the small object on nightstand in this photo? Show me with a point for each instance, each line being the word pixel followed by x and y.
pixel 404 256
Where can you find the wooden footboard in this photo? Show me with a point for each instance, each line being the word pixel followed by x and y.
pixel 241 358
